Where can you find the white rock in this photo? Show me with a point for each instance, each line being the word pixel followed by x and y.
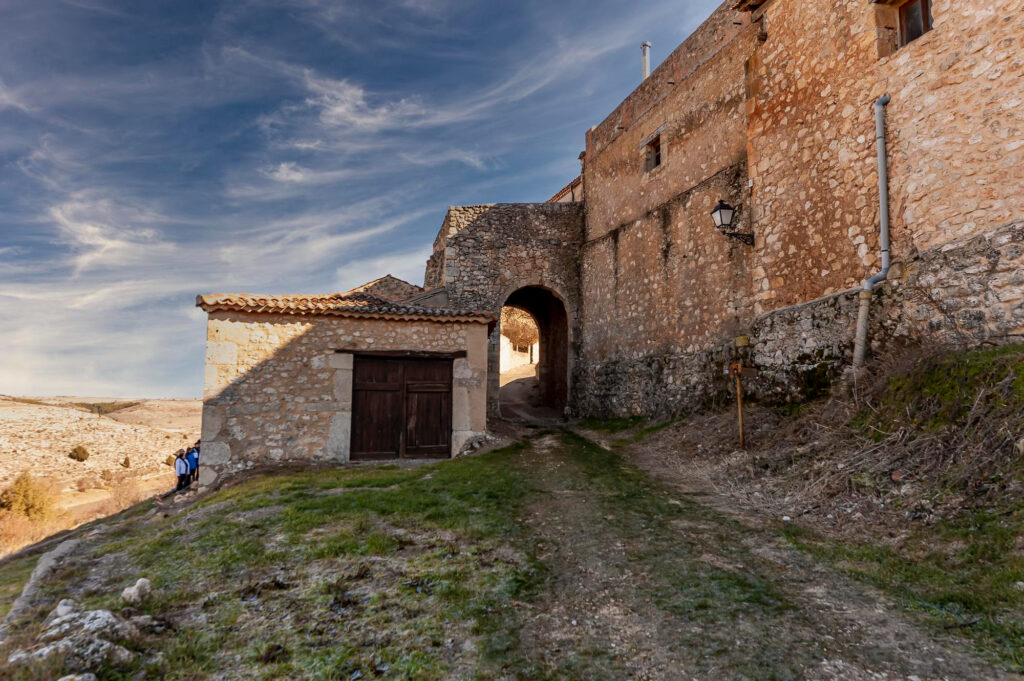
pixel 66 607
pixel 137 593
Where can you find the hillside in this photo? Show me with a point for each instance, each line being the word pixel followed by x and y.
pixel 609 550
pixel 37 436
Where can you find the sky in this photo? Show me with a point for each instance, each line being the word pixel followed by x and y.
pixel 152 151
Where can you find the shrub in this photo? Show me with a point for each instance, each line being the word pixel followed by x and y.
pixel 82 484
pixel 28 497
pixel 169 461
pixel 79 453
pixel 127 463
pixel 106 475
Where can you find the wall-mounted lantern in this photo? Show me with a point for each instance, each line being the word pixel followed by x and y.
pixel 723 215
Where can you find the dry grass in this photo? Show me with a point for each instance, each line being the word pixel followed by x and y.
pixel 925 436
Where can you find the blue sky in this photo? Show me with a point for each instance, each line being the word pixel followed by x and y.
pixel 150 151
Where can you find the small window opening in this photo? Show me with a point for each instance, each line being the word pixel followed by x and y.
pixel 652 154
pixel 915 20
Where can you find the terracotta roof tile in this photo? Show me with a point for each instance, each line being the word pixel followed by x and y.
pixel 350 304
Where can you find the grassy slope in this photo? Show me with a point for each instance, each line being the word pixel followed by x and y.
pixel 325 575
pixel 965 571
pixel 949 423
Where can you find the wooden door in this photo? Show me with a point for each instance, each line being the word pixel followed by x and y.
pixel 376 408
pixel 401 407
pixel 428 408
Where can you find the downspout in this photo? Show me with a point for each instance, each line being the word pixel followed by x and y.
pixel 861 338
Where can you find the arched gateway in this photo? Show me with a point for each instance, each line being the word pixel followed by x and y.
pixel 522 255
pixel 552 370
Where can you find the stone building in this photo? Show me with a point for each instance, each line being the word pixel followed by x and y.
pixel 771 107
pixel 332 378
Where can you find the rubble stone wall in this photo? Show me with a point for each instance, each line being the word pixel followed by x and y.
pixel 963 293
pixel 773 112
pixel 694 103
pixel 484 254
pixel 278 388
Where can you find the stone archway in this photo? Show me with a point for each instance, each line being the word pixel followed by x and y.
pixel 552 374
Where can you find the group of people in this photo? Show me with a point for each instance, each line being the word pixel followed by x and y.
pixel 186 466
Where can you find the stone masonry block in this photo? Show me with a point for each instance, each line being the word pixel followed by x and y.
pixel 340 360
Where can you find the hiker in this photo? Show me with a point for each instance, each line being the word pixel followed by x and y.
pixel 181 470
pixel 195 475
pixel 193 466
pixel 195 448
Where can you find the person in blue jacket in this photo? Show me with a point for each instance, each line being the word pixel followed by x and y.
pixel 193 465
pixel 181 470
pixel 195 473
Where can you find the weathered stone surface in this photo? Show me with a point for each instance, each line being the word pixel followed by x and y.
pixel 138 592
pixel 276 404
pixel 84 638
pixel 942 295
pixel 484 254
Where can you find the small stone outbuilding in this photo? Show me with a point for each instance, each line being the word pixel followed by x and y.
pixel 324 379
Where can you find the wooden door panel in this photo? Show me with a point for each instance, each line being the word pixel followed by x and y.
pixel 376 409
pixel 401 407
pixel 429 425
pixel 428 390
pixel 376 425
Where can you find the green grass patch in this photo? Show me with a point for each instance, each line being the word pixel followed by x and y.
pixel 14 574
pixel 392 562
pixel 695 573
pixel 942 391
pixel 642 434
pixel 965 575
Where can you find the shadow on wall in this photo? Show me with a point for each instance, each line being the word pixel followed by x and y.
pixel 279 391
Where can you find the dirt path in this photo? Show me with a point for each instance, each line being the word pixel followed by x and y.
pixel 646 583
pixel 521 400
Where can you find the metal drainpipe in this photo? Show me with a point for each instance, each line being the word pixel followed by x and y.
pixel 860 340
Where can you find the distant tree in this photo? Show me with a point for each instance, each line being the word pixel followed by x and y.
pixel 79 453
pixel 519 327
pixel 28 497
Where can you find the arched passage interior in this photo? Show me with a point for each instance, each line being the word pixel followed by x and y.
pixel 552 370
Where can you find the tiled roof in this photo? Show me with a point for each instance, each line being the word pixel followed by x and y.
pixel 389 288
pixel 350 304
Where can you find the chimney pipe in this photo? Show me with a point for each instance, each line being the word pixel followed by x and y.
pixel 646 47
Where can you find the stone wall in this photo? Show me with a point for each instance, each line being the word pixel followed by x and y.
pixel 955 133
pixel 963 293
pixel 484 254
pixel 278 388
pixel 694 102
pixel 772 111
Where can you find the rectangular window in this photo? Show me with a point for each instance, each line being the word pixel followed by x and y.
pixel 915 20
pixel 652 154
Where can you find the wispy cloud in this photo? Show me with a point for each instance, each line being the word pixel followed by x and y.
pixel 268 146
